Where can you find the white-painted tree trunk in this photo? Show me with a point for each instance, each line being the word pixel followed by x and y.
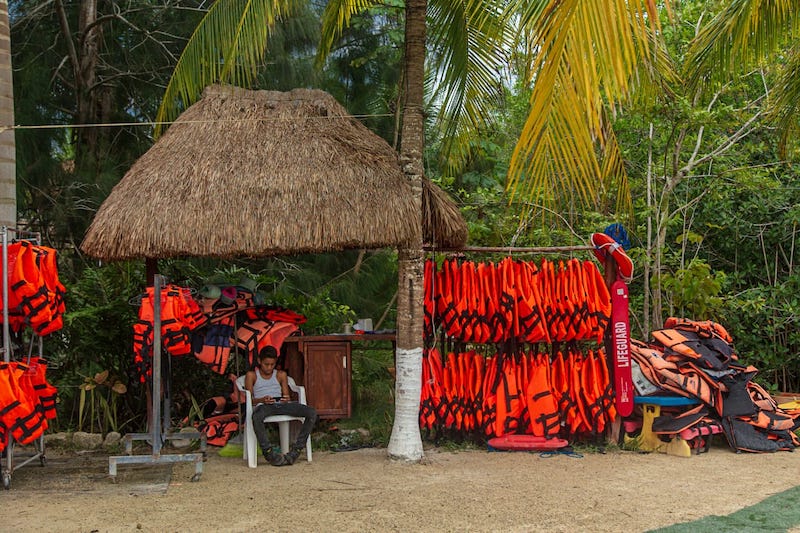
pixel 406 442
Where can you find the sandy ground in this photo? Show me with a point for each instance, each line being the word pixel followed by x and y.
pixel 363 490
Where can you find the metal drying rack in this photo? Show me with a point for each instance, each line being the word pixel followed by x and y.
pixel 9 467
pixel 160 422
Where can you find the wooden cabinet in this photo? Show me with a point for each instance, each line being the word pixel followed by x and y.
pixel 322 364
pixel 327 378
pixel 323 368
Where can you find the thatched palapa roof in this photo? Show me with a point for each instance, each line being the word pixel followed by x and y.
pixel 251 173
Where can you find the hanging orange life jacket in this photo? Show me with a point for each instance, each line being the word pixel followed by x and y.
pixel 476 389
pixel 529 304
pixel 453 413
pixel 559 385
pixel 545 420
pixel 601 298
pixel 46 321
pixel 47 393
pixel 491 379
pixel 18 413
pixel 592 394
pixel 510 400
pixel 580 424
pixel 427 414
pixel 27 296
pixel 607 396
pixel 429 300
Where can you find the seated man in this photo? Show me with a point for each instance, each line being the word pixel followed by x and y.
pixel 269 389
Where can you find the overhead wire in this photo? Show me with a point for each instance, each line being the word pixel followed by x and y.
pixel 5 127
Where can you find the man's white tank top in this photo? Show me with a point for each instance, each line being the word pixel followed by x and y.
pixel 266 387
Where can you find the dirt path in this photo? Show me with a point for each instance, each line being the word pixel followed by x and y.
pixel 363 491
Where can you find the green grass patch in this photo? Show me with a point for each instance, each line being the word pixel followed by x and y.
pixel 779 512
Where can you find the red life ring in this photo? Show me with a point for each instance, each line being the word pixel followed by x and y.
pixel 603 245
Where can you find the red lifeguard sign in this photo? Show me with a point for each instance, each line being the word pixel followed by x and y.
pixel 621 348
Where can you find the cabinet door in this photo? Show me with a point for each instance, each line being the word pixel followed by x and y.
pixel 327 378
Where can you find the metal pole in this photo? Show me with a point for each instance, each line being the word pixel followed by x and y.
pixel 6 332
pixel 513 249
pixel 156 414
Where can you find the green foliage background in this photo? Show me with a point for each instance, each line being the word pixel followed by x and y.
pixel 731 237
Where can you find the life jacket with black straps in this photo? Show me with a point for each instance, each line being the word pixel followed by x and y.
pixel 35 379
pixel 491 379
pixel 707 352
pixel 427 409
pixel 475 389
pixel 48 267
pixel 219 428
pixel 429 300
pixel 275 313
pixel 19 414
pixel 581 423
pixel 510 406
pixel 529 304
pixel 179 314
pixel 560 386
pixel 685 380
pixel 212 344
pixel 600 297
pixel 545 419
pixel 36 296
pixel 593 389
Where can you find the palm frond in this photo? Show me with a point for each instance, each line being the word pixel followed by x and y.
pixel 739 36
pixel 785 104
pixel 335 18
pixel 227 46
pixel 467 39
pixel 588 56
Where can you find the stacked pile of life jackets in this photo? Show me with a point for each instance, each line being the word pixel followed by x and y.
pixel 565 394
pixel 36 296
pixel 27 401
pixel 516 300
pixel 697 359
pixel 242 325
pixel 210 328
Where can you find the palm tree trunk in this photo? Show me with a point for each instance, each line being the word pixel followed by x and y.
pixel 8 159
pixel 406 442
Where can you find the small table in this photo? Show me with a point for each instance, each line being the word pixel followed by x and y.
pixel 651 408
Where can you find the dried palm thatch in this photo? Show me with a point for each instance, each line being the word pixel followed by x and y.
pixel 252 173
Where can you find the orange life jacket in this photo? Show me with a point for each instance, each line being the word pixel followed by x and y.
pixel 27 296
pixel 601 298
pixel 19 413
pixel 476 389
pixel 559 385
pixel 685 380
pixel 178 312
pixel 47 394
pixel 529 304
pixel 427 412
pixel 215 349
pixel 510 399
pixel 491 379
pixel 545 420
pixel 581 422
pixel 429 300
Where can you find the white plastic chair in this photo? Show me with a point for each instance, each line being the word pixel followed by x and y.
pixel 250 448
